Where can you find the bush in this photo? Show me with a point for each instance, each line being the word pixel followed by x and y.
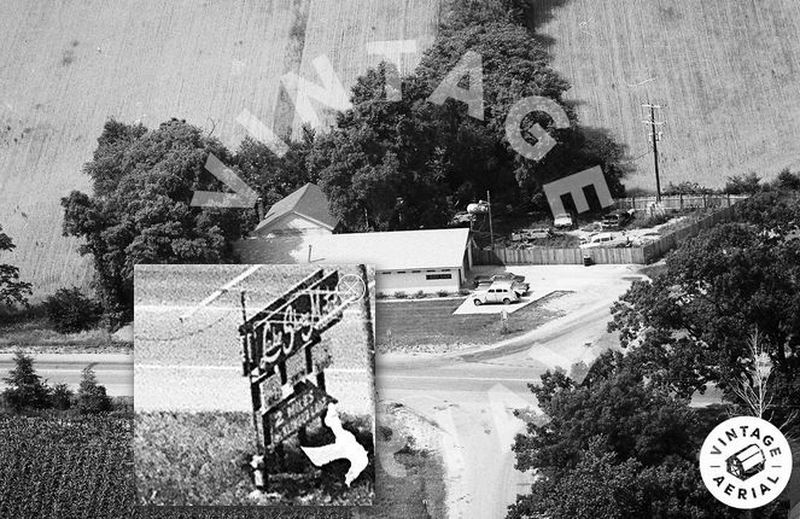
pixel 442 293
pixel 788 180
pixel 69 310
pixel 400 294
pixel 743 184
pixel 656 219
pixel 61 397
pixel 463 292
pixel 420 294
pixel 92 397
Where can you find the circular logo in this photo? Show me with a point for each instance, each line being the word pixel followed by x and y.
pixel 745 462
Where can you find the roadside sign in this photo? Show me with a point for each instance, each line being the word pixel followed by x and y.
pixel 304 405
pixel 284 357
pixel 293 322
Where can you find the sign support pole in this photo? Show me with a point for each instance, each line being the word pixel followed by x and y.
pixel 258 461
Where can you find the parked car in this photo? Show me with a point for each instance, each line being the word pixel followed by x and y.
pixel 563 221
pixel 503 276
pixel 498 292
pixel 540 233
pixel 616 220
pixel 461 218
pixel 604 239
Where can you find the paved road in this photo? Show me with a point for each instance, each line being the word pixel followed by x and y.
pixel 471 395
pixel 114 371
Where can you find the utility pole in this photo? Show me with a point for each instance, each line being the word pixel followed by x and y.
pixel 491 230
pixel 655 136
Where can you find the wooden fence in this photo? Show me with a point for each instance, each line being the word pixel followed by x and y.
pixel 627 255
pixel 656 249
pixel 552 256
pixel 678 202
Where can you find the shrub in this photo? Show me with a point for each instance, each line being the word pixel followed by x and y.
pixel 92 397
pixel 420 294
pixel 400 294
pixel 69 310
pixel 463 291
pixel 748 184
pixel 788 180
pixel 656 219
pixel 61 397
pixel 442 293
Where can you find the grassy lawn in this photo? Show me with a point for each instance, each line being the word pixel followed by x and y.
pixel 428 325
pixel 202 459
pixel 37 335
pixel 37 339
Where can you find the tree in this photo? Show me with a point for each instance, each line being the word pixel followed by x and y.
pixel 140 212
pixel 273 177
pixel 69 310
pixel 92 397
pixel 787 180
pixel 686 188
pixel 62 397
pixel 26 389
pixel 406 164
pixel 12 290
pixel 748 184
pixel 691 325
pixel 617 445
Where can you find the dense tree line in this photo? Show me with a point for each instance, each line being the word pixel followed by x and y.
pixel 622 442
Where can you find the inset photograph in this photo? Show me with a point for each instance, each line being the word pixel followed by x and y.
pixel 254 385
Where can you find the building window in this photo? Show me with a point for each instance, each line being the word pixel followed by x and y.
pixel 401 272
pixel 438 276
pixel 416 271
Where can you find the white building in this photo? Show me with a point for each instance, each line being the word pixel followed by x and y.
pixel 299 229
pixel 405 261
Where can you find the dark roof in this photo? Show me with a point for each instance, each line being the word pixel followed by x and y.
pixel 308 201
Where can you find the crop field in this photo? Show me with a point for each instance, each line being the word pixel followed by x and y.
pixel 69 65
pixel 52 468
pixel 726 74
pixel 55 468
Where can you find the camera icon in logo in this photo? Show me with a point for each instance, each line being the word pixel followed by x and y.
pixel 746 463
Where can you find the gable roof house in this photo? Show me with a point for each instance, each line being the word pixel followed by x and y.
pixel 304 211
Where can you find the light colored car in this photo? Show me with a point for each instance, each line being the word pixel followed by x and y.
pixel 498 292
pixel 563 221
pixel 517 282
pixel 604 239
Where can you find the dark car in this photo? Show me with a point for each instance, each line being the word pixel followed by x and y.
pixel 616 220
pixel 517 282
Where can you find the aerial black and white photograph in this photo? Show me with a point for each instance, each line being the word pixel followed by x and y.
pixel 579 225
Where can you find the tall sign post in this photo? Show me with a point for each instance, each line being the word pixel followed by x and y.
pixel 285 359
